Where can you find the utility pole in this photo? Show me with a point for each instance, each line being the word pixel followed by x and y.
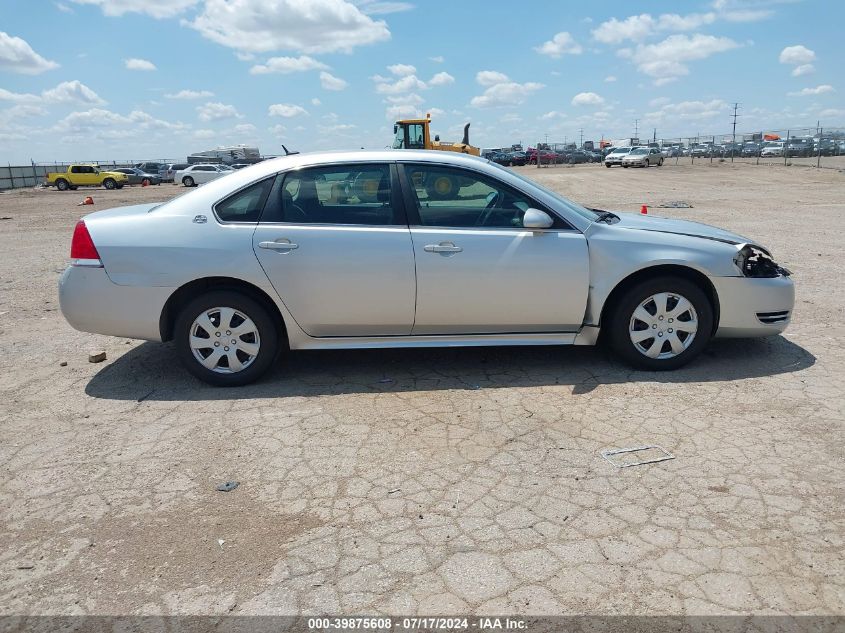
pixel 581 132
pixel 733 143
pixel 636 129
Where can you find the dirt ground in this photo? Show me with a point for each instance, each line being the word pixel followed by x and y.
pixel 433 481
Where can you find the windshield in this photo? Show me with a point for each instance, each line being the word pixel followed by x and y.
pixel 569 204
pixel 639 151
pixel 621 150
pixel 399 137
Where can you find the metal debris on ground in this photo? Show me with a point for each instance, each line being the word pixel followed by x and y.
pixel 676 204
pixel 228 486
pixel 637 455
pixel 63 363
pixel 96 357
pixel 394 491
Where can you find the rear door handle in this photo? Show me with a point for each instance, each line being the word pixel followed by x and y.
pixel 279 245
pixel 443 247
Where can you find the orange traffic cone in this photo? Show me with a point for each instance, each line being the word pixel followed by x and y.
pixel 88 200
pixel 644 210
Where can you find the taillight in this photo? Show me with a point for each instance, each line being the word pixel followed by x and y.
pixel 82 249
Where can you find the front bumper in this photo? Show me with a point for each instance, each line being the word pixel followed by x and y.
pixel 91 302
pixel 752 306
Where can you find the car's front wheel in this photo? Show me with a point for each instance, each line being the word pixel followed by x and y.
pixel 661 323
pixel 109 183
pixel 226 339
pixel 188 181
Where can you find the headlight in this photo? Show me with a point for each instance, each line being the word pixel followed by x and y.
pixel 755 262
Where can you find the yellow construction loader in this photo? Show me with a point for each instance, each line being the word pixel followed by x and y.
pixel 416 134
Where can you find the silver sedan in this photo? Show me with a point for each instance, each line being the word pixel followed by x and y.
pixel 408 249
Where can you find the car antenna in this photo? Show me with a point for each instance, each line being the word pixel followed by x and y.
pixel 288 152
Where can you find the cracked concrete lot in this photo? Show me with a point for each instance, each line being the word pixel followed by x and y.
pixel 432 481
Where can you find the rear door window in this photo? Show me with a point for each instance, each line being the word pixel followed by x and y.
pixel 342 194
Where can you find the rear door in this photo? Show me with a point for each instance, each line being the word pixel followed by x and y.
pixel 335 244
pixel 478 270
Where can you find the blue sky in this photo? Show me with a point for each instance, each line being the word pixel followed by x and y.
pixel 147 79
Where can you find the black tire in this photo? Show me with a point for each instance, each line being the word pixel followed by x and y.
pixel 608 165
pixel 660 163
pixel 619 322
pixel 109 183
pixel 625 166
pixel 73 187
pixel 268 335
pixel 188 181
pixel 62 184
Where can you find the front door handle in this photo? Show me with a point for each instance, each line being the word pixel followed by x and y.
pixel 279 245
pixel 443 247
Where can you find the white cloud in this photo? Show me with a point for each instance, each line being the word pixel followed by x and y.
pixel 807 92
pixel 287 65
pixel 610 79
pixel 561 44
pixel 278 130
pixel 803 69
pixel 154 8
pixel 17 56
pixel 286 110
pixel 63 8
pixel 797 54
pixel 190 94
pixel 833 113
pixel 501 91
pixel 72 92
pixel 739 11
pixel 315 102
pixel 382 7
pixel 587 98
pixel 402 69
pixel 244 129
pixel 490 77
pixel 133 63
pixel 688 111
pixel 667 60
pixel 441 79
pixel 21 111
pixel 98 123
pixel 205 133
pixel 553 114
pixel 315 26
pixel 215 111
pixel 405 84
pixel 330 82
pixel 638 27
pixel 18 97
pixel 438 59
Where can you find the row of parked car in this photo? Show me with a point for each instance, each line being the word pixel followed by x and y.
pixel 545 156
pixel 178 172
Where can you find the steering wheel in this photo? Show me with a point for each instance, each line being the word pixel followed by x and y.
pixel 492 200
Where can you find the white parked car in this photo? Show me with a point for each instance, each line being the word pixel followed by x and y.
pixel 615 156
pixel 772 149
pixel 199 174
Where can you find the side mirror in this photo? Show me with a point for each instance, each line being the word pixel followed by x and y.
pixel 536 219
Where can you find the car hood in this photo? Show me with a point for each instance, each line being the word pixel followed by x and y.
pixel 639 222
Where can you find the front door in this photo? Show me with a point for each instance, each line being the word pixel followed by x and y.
pixel 335 245
pixel 478 270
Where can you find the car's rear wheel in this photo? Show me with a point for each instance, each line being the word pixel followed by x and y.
pixel 109 183
pixel 188 181
pixel 660 163
pixel 226 339
pixel 62 185
pixel 661 323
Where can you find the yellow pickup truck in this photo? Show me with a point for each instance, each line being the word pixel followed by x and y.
pixel 86 176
